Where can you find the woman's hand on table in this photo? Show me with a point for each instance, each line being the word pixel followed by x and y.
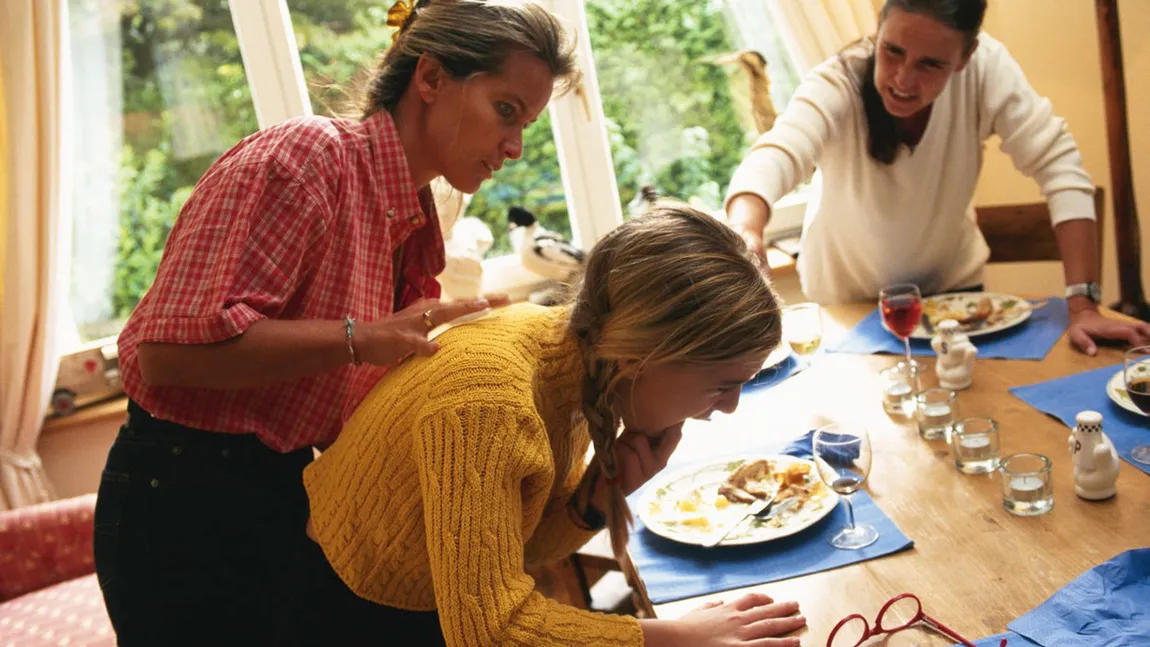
pixel 404 333
pixel 1088 326
pixel 753 619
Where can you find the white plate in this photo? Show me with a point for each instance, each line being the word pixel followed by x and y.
pixel 1116 389
pixel 1009 311
pixel 660 512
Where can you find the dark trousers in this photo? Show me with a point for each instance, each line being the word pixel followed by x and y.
pixel 200 540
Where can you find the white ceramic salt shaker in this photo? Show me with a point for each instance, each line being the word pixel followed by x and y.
pixel 1095 458
pixel 955 365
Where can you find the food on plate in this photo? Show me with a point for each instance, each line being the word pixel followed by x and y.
pixel 968 313
pixel 759 479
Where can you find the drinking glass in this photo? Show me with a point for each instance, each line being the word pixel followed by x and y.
pixel 900 383
pixel 936 411
pixel 803 327
pixel 901 307
pixel 842 453
pixel 1026 487
pixel 1136 373
pixel 974 444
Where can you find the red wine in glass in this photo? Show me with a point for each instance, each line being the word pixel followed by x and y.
pixel 901 307
pixel 902 315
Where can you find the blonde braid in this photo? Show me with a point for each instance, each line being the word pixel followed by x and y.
pixel 603 427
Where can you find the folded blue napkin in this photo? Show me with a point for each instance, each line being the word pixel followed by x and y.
pixel 1064 397
pixel 674 571
pixel 1030 340
pixel 1107 605
pixel 1012 640
pixel 769 377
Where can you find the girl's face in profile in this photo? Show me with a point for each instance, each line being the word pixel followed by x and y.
pixel 653 398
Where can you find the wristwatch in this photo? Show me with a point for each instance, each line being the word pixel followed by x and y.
pixel 1090 290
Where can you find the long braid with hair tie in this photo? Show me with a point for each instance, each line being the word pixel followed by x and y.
pixel 602 424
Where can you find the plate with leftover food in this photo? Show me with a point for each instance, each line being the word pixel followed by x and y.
pixel 977 313
pixel 695 505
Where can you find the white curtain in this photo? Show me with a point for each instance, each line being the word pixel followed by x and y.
pixel 814 30
pixel 35 201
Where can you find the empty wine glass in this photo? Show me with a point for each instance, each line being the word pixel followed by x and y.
pixel 1136 373
pixel 843 455
pixel 901 307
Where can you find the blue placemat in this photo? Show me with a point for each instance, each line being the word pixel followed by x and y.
pixel 1064 397
pixel 673 571
pixel 1031 340
pixel 1106 605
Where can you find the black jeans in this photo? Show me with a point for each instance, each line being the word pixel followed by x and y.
pixel 200 540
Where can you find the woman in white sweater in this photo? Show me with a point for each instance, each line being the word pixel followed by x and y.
pixel 897 124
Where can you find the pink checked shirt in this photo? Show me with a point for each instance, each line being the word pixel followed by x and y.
pixel 299 221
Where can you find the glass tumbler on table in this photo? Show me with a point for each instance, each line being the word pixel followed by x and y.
pixel 936 411
pixel 842 453
pixel 900 383
pixel 1026 487
pixel 1136 374
pixel 901 308
pixel 974 444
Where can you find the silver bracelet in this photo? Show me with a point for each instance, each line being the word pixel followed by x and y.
pixel 349 326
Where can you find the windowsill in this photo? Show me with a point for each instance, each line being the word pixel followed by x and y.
pixel 100 412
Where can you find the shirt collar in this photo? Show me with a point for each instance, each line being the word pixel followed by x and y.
pixel 401 201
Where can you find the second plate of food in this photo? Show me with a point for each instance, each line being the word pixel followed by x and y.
pixel 692 505
pixel 977 313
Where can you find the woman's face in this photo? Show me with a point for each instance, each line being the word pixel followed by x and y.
pixel 655 397
pixel 475 125
pixel 915 55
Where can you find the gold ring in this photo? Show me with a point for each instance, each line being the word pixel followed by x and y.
pixel 427 319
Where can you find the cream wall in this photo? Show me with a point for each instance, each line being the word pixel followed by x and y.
pixel 1056 43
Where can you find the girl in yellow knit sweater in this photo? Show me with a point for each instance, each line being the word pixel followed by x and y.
pixel 462 467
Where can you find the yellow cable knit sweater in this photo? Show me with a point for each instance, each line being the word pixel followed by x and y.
pixel 454 472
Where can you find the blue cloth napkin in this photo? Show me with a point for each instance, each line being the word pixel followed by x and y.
pixel 1064 397
pixel 674 571
pixel 1107 605
pixel 1012 640
pixel 769 377
pixel 1030 340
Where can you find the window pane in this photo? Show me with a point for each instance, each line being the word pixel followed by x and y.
pixel 339 42
pixel 678 119
pixel 160 93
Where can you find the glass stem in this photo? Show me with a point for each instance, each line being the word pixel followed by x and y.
pixel 906 342
pixel 850 512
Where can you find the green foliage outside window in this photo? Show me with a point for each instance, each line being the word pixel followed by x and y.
pixel 671 120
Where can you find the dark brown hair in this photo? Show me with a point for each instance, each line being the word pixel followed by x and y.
pixel 885 134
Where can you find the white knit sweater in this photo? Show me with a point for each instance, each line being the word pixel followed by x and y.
pixel 873 224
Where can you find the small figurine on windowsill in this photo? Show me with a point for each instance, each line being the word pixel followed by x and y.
pixel 1095 458
pixel 955 365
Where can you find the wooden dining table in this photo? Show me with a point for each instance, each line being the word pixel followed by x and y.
pixel 975 566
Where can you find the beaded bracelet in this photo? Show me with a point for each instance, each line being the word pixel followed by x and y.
pixel 349 326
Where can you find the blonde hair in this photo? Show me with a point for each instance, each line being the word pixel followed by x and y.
pixel 674 285
pixel 469 37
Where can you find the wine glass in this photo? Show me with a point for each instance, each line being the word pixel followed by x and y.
pixel 901 307
pixel 842 454
pixel 803 328
pixel 1136 373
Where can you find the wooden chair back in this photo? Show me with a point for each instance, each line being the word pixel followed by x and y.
pixel 1021 232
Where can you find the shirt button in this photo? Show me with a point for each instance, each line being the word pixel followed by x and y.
pixel 416 219
pixel 177 450
pixel 226 452
pixel 155 483
pixel 390 214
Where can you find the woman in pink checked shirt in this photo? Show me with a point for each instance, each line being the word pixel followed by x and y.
pixel 300 269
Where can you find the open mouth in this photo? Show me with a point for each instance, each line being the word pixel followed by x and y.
pixel 906 98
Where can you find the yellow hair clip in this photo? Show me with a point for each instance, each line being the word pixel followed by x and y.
pixel 398 14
